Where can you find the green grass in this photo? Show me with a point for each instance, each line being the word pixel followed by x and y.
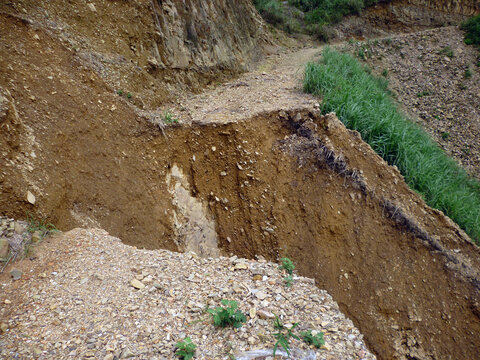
pixel 363 103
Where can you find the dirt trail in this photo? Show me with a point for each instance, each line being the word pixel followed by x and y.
pixel 275 85
pixel 284 181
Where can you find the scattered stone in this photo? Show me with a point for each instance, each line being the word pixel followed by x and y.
pixel 92 7
pixel 3 248
pixel 108 357
pixel 19 227
pixel 16 274
pixel 36 236
pixel 31 198
pixel 265 315
pixel 137 284
pixel 126 354
pixel 260 295
pixel 241 266
pixel 3 328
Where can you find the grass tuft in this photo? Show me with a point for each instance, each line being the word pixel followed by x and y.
pixel 364 104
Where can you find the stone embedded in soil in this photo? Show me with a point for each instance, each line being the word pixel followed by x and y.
pixel 3 248
pixel 31 198
pixel 137 284
pixel 36 236
pixel 16 274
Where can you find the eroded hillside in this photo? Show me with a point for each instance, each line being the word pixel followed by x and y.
pixel 228 178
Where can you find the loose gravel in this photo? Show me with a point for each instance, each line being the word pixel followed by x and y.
pixel 110 300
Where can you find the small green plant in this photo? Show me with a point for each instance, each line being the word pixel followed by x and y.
pixel 287 265
pixel 447 51
pixel 119 92
pixel 385 72
pixel 466 149
pixel 288 281
pixel 283 335
pixel 129 95
pixel 424 93
pixel 228 315
pixel 313 339
pixel 468 73
pixel 185 349
pixel 445 135
pixel 388 41
pixel 168 118
pixel 35 224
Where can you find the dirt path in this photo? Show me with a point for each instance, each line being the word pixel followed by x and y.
pixel 276 84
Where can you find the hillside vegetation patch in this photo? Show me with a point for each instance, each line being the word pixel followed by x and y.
pixel 309 16
pixel 364 104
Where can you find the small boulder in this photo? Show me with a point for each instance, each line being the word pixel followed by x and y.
pixel 31 198
pixel 137 284
pixel 36 236
pixel 16 274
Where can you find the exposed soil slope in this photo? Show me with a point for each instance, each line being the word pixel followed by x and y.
pixel 275 183
pixel 436 81
pixel 152 49
pixel 394 16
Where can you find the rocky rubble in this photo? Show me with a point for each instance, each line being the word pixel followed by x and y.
pixel 435 78
pixel 110 300
pixel 13 238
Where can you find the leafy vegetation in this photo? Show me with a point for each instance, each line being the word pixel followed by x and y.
pixel 472 31
pixel 317 13
pixel 228 315
pixel 287 265
pixel 169 118
pixel 315 339
pixel 447 51
pixel 41 225
pixel 185 349
pixel 364 104
pixel 283 335
pixel 276 13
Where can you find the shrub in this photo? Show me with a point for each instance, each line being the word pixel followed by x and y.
pixel 472 30
pixel 364 105
pixel 185 349
pixel 287 265
pixel 313 339
pixel 228 315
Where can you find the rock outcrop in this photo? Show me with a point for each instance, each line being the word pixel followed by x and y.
pixel 152 49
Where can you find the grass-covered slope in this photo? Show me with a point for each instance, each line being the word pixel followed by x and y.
pixel 363 103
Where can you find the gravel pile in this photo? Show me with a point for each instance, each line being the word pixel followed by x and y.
pixel 110 300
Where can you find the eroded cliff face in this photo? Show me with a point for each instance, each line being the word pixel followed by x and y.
pixel 405 16
pixel 153 49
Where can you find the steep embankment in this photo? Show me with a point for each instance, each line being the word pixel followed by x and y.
pixel 153 49
pixel 395 16
pixel 276 183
